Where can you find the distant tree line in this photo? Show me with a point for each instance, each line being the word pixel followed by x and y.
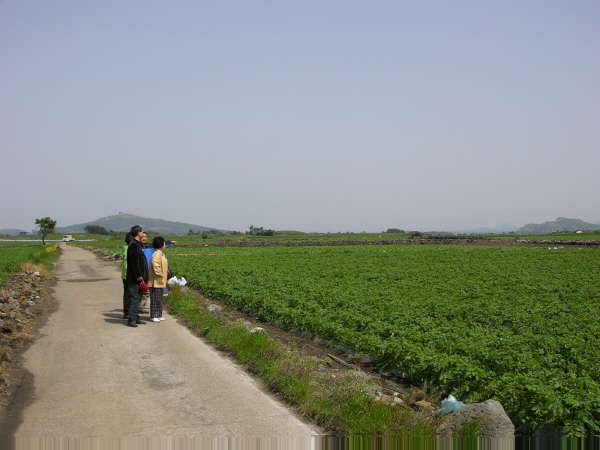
pixel 412 234
pixel 394 230
pixel 207 232
pixel 259 231
pixel 97 229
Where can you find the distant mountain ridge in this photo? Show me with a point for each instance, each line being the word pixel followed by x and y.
pixel 558 225
pixel 124 222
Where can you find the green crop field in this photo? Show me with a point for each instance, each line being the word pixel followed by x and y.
pixel 10 259
pixel 20 243
pixel 323 238
pixel 520 325
pixel 587 236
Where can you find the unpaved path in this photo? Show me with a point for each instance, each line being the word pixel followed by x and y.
pixel 94 376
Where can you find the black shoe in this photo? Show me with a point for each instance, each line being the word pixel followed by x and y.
pixel 126 316
pixel 132 324
pixel 144 311
pixel 139 321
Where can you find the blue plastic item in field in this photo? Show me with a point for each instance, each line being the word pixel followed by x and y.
pixel 451 404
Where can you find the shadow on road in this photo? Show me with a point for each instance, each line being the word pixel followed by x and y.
pixel 114 316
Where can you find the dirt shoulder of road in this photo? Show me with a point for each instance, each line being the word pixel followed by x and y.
pixel 25 305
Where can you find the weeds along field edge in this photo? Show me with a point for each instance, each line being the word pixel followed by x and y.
pixel 519 325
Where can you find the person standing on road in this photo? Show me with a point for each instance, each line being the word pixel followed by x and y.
pixel 149 251
pixel 128 239
pixel 137 275
pixel 145 301
pixel 159 269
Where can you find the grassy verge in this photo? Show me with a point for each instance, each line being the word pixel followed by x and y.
pixel 337 401
pixel 44 259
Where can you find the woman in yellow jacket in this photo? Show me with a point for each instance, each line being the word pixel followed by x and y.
pixel 159 268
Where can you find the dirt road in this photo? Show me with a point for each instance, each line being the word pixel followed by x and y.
pixel 94 376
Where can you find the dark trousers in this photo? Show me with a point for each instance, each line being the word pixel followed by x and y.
pixel 134 296
pixel 125 298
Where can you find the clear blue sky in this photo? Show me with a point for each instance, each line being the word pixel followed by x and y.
pixel 305 115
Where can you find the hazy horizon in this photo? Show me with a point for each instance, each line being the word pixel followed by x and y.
pixel 313 115
pixel 505 227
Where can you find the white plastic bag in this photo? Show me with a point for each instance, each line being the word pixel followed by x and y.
pixel 451 404
pixel 180 281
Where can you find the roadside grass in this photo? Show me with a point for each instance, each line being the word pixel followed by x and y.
pixel 337 401
pixel 30 267
pixel 471 428
pixel 43 260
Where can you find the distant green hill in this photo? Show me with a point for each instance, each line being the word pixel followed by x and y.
pixel 558 225
pixel 124 222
